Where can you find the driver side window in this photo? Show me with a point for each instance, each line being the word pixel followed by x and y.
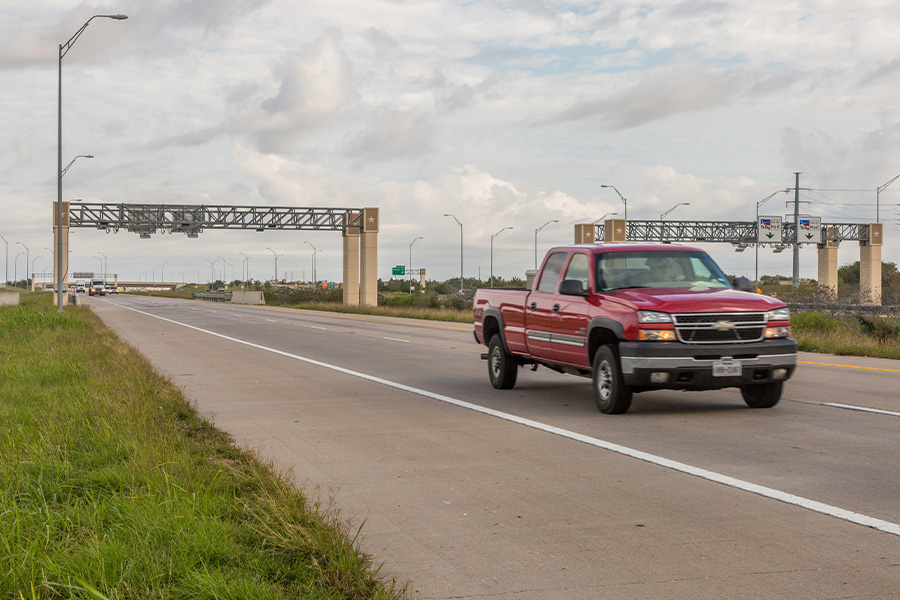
pixel 579 269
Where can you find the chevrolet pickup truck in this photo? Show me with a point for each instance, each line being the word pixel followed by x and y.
pixel 638 317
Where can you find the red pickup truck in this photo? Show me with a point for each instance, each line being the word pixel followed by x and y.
pixel 638 317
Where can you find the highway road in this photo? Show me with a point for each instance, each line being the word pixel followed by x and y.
pixel 531 493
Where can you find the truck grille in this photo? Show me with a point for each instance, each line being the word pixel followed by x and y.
pixel 718 328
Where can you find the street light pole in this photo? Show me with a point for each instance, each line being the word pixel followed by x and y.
pixel 536 231
pixel 6 263
pixel 410 261
pixel 756 227
pixel 16 267
pixel 492 252
pixel 313 263
pixel 460 252
pixel 624 201
pixel 247 261
pixel 276 262
pixel 878 191
pixel 63 50
pixel 26 264
pixel 105 264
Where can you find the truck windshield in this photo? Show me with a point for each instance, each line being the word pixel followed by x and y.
pixel 657 268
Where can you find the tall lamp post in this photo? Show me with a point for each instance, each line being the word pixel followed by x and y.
pixel 410 261
pixel 16 267
pixel 105 264
pixel 536 231
pixel 313 263
pixel 756 227
pixel 276 262
pixel 878 191
pixel 247 262
pixel 26 264
pixel 460 252
pixel 6 263
pixel 63 50
pixel 492 252
pixel 624 201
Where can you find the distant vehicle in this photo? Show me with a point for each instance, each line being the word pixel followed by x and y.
pixel 221 289
pixel 98 288
pixel 111 289
pixel 79 288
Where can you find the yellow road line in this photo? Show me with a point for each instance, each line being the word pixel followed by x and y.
pixel 804 362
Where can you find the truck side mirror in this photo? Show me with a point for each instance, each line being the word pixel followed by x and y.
pixel 572 287
pixel 743 284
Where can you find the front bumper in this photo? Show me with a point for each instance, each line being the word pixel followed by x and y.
pixel 691 366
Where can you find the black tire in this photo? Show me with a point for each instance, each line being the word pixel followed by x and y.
pixel 502 368
pixel 765 395
pixel 613 397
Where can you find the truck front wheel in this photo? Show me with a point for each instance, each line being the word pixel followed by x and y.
pixel 502 368
pixel 610 392
pixel 765 395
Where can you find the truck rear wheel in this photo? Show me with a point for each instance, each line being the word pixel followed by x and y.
pixel 502 368
pixel 765 395
pixel 610 392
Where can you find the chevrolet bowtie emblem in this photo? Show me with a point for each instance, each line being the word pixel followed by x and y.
pixel 723 326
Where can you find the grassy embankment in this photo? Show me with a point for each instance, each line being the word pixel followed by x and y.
pixel 112 487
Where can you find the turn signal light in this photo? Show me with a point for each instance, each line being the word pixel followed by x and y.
pixel 657 335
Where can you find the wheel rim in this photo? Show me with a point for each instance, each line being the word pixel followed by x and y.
pixel 495 362
pixel 604 381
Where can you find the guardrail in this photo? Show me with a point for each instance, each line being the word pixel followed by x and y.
pixel 226 297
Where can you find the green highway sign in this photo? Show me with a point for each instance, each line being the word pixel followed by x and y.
pixel 398 270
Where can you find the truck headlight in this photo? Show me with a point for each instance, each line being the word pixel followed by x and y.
pixel 648 316
pixel 779 314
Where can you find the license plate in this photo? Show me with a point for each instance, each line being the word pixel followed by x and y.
pixel 726 368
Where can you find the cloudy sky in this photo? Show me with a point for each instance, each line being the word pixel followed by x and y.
pixel 506 113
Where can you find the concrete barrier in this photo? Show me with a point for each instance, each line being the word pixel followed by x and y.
pixel 247 298
pixel 9 299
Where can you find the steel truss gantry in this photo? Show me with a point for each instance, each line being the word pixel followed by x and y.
pixel 739 233
pixel 146 219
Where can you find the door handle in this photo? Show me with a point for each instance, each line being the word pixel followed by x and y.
pixel 556 308
pixel 533 305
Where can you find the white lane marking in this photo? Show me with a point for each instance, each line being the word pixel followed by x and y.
pixel 863 409
pixel 271 320
pixel 767 492
pixel 395 340
pixel 316 327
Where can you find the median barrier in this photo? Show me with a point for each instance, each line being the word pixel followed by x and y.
pixel 247 298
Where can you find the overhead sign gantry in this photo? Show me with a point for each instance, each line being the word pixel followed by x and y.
pixel 358 226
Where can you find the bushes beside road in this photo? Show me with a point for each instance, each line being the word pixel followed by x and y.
pixel 112 487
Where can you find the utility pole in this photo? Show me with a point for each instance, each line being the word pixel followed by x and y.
pixel 796 282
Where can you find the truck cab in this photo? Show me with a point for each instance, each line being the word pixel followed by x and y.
pixel 98 288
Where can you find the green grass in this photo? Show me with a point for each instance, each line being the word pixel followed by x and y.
pixel 112 487
pixel 877 337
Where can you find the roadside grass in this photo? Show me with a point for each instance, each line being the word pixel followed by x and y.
pixel 112 487
pixel 877 337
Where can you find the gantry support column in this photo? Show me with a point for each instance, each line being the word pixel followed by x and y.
pixel 870 266
pixel 368 260
pixel 351 265
pixel 828 264
pixel 64 250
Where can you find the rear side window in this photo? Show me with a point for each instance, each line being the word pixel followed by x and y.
pixel 550 275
